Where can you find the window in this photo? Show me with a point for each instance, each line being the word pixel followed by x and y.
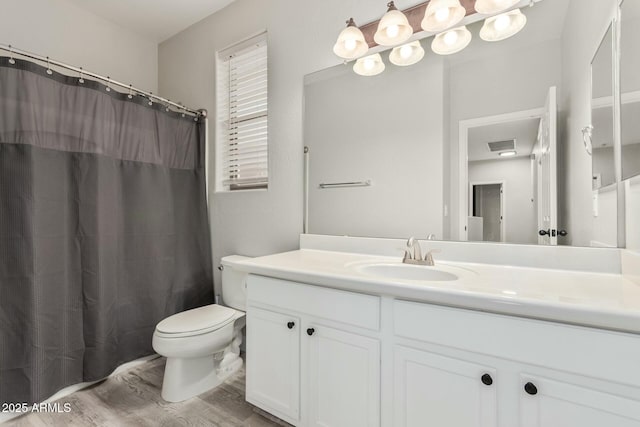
pixel 241 131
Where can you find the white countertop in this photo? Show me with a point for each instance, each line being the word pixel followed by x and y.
pixel 600 300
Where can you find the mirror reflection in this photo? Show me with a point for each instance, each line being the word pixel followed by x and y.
pixel 630 88
pixel 484 144
pixel 602 114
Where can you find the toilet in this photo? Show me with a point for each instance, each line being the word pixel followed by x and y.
pixel 202 346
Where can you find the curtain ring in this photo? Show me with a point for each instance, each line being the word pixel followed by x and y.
pixel 108 89
pixel 130 96
pixel 587 132
pixel 11 60
pixel 81 79
pixel 49 67
pixel 150 100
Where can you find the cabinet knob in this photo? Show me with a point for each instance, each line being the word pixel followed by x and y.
pixel 290 325
pixel 562 233
pixel 531 389
pixel 310 331
pixel 486 379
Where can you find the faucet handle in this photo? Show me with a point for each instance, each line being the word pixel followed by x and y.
pixel 429 256
pixel 408 252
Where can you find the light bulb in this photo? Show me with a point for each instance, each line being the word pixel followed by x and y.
pixel 406 51
pixel 392 31
pixel 451 38
pixel 442 14
pixel 502 22
pixel 369 64
pixel 350 44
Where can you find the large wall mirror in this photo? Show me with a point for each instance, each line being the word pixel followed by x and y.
pixel 601 144
pixel 630 88
pixel 485 144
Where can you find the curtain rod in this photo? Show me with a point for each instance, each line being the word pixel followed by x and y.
pixel 82 72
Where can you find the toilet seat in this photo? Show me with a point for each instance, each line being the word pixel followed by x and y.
pixel 196 321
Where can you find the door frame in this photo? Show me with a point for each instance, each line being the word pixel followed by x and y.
pixel 503 204
pixel 463 157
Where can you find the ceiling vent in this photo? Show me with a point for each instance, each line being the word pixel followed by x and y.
pixel 497 146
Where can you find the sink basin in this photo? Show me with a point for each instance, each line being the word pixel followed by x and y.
pixel 407 272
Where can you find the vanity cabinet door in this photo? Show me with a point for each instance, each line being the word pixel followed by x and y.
pixel 435 390
pixel 343 372
pixel 273 363
pixel 550 403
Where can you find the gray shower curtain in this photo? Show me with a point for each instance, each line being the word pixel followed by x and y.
pixel 103 227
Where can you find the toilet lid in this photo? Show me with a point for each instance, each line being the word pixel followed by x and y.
pixel 197 319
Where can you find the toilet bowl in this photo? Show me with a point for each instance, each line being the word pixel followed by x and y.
pixel 202 345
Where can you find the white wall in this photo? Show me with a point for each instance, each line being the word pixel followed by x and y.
pixel 520 209
pixel 585 26
pixel 387 129
pixel 301 35
pixel 65 32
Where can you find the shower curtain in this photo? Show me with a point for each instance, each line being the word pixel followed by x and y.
pixel 103 227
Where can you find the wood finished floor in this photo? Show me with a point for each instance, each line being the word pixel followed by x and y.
pixel 132 398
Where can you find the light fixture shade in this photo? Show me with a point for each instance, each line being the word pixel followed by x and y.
pixel 351 43
pixel 371 65
pixel 394 28
pixel 503 26
pixel 442 14
pixel 451 41
pixel 407 54
pixel 491 7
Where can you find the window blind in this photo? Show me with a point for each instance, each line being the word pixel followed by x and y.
pixel 242 135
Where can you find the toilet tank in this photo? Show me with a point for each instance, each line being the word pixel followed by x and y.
pixel 234 289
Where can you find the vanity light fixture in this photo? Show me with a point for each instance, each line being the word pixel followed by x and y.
pixel 407 54
pixel 508 154
pixel 491 7
pixel 351 43
pixel 442 14
pixel 451 41
pixel 503 26
pixel 368 66
pixel 394 27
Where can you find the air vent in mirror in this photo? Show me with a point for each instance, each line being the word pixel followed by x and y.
pixel 508 145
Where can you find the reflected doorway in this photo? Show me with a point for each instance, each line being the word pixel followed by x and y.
pixel 488 221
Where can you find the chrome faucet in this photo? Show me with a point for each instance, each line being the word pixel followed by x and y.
pixel 413 254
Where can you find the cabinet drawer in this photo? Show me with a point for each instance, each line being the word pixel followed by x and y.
pixel 339 306
pixel 585 351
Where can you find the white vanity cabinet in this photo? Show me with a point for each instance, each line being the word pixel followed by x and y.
pixel 343 372
pixel 273 373
pixel 559 403
pixel 318 356
pixel 543 374
pixel 432 389
pixel 313 354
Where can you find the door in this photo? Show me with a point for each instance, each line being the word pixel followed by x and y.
pixel 435 390
pixel 273 363
pixel 549 403
pixel 546 158
pixel 344 378
pixel 488 204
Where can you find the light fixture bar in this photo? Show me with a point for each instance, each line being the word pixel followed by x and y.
pixel 414 14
